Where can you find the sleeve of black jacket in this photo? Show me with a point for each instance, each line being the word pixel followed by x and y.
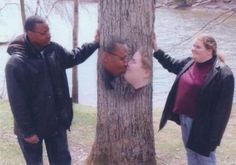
pixel 223 107
pixel 17 87
pixel 79 55
pixel 171 64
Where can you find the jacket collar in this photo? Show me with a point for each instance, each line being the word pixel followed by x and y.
pixel 32 51
pixel 216 67
pixel 17 46
pixel 185 68
pixel 22 46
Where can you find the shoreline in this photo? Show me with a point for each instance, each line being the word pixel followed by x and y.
pixel 202 5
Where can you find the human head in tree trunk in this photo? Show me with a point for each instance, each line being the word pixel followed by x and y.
pixel 139 69
pixel 114 61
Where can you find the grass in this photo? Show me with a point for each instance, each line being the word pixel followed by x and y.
pixel 9 150
pixel 168 143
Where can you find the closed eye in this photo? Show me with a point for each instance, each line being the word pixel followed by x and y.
pixel 133 61
pixel 196 46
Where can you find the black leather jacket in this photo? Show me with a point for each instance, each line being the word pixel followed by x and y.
pixel 37 85
pixel 214 103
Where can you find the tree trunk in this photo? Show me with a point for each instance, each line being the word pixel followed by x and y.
pixel 22 8
pixel 37 7
pixel 124 133
pixel 75 88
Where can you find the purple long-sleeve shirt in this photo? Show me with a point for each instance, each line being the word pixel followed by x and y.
pixel 189 87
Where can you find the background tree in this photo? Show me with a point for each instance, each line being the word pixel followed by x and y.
pixel 22 9
pixel 75 88
pixel 124 132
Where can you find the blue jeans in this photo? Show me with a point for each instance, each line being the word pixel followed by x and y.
pixel 56 146
pixel 193 157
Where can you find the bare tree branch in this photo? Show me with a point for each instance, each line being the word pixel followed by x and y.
pixel 226 18
pixel 52 7
pixel 205 26
pixel 7 4
pixel 37 7
pixel 69 15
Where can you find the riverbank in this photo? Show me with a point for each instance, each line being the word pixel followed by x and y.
pixel 214 5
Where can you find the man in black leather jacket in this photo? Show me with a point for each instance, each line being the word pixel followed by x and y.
pixel 38 91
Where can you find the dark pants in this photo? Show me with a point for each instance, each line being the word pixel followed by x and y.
pixel 56 146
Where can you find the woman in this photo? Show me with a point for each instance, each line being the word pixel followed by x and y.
pixel 200 99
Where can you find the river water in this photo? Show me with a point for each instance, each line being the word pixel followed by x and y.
pixel 175 30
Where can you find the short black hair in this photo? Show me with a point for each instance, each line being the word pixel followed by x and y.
pixel 111 46
pixel 31 21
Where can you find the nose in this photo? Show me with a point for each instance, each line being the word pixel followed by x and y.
pixel 126 64
pixel 49 36
pixel 193 48
pixel 126 61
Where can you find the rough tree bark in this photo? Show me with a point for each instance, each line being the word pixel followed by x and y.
pixel 124 133
pixel 75 88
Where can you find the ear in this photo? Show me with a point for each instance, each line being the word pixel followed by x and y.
pixel 107 60
pixel 148 71
pixel 210 52
pixel 30 34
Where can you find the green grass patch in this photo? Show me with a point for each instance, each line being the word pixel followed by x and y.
pixel 9 150
pixel 168 142
pixel 5 116
pixel 83 125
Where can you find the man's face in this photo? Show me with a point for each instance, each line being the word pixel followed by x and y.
pixel 115 62
pixel 40 36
